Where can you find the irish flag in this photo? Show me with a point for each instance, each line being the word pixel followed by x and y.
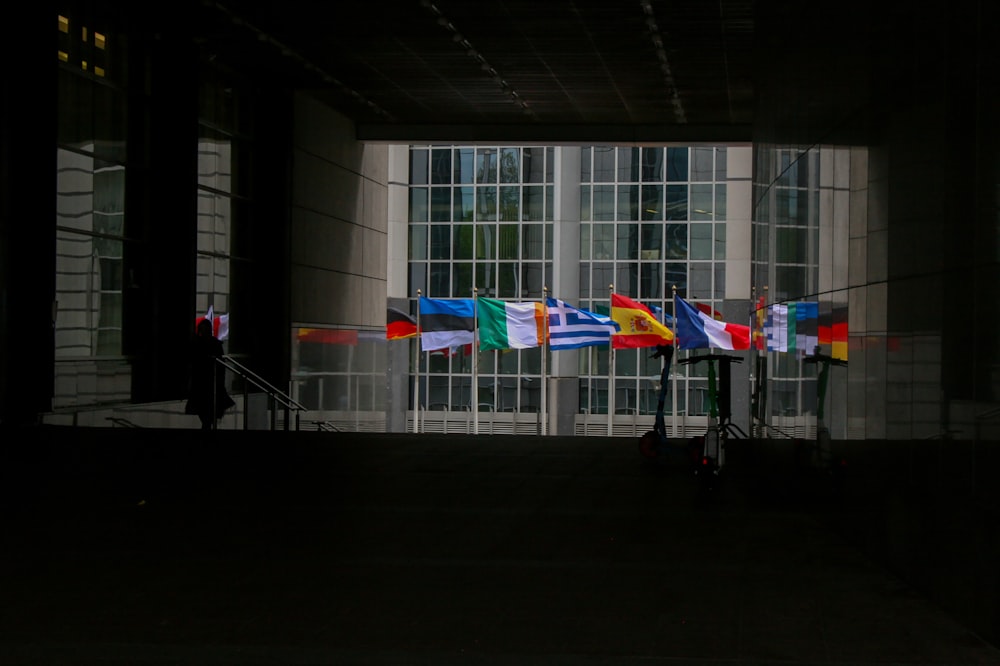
pixel 505 325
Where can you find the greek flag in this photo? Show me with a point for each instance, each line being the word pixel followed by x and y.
pixel 572 328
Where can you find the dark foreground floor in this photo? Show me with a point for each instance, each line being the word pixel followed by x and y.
pixel 134 547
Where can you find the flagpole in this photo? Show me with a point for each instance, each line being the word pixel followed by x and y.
pixel 416 388
pixel 542 429
pixel 611 367
pixel 753 348
pixel 475 363
pixel 673 381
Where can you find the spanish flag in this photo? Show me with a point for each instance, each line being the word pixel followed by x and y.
pixel 399 325
pixel 639 328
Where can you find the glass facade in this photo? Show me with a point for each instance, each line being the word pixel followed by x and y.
pixel 651 219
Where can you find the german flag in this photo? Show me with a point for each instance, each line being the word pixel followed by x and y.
pixel 399 325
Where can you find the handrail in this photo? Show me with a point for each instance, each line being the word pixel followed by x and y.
pixel 272 391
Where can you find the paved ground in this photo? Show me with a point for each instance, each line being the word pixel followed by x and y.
pixel 339 549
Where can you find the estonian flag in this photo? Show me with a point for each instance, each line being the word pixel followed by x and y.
pixel 446 322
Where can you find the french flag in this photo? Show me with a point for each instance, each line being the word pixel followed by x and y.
pixel 698 330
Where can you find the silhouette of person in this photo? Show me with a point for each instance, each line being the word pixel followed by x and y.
pixel 207 395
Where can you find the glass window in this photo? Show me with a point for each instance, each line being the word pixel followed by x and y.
pixel 463 241
pixel 508 241
pixel 486 166
pixel 790 245
pixel 419 208
pixel 604 241
pixel 628 165
pixel 585 271
pixel 418 278
pixel 486 278
pixel 533 206
pixel 720 280
pixel 628 202
pixel 440 204
pixel 677 202
pixel 627 278
pixel 440 241
pixel 510 165
pixel 441 166
pixel 534 165
pixel 585 169
pixel 720 241
pixel 585 241
pixel 651 241
pixel 702 167
pixel 651 280
pixel 720 201
pixel 677 241
pixel 604 164
pixel 601 276
pixel 464 166
pixel 721 164
pixel 628 241
pixel 701 202
pixel 533 240
pixel 700 280
pixel 464 204
pixel 508 280
pixel 440 279
pixel 677 164
pixel 652 202
pixel 486 238
pixel 418 242
pixel 701 241
pixel 604 203
pixel 532 279
pixel 510 203
pixel 418 166
pixel 652 165
pixel 585 210
pixel 486 203
pixel 675 275
pixel 461 284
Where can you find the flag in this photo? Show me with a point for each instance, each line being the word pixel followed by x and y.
pixel 446 322
pixel 504 325
pixel 806 327
pixel 572 328
pixel 832 330
pixel 759 335
pixel 637 325
pixel 220 324
pixel 399 325
pixel 328 336
pixel 697 329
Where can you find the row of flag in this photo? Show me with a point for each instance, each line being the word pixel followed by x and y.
pixel 798 327
pixel 451 323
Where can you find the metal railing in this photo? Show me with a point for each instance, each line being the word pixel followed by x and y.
pixel 276 397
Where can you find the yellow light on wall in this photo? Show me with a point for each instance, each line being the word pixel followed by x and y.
pixel 64 24
pixel 63 56
pixel 99 40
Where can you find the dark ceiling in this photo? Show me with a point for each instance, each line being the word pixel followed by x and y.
pixel 512 70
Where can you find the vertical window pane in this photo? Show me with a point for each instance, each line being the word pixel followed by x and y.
pixel 419 208
pixel 440 241
pixel 418 242
pixel 463 240
pixel 508 242
pixel 604 164
pixel 486 238
pixel 652 165
pixel 465 166
pixel 533 207
pixel 461 284
pixel 604 241
pixel 702 165
pixel 534 165
pixel 604 203
pixel 486 203
pixel 585 241
pixel 677 164
pixel 510 203
pixel 510 165
pixel 532 241
pixel 700 285
pixel 651 241
pixel 465 204
pixel 652 202
pixel 441 166
pixel 677 202
pixel 418 166
pixel 585 210
pixel 628 165
pixel 486 166
pixel 677 241
pixel 701 202
pixel 628 202
pixel 440 204
pixel 720 201
pixel 628 241
pixel 701 241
